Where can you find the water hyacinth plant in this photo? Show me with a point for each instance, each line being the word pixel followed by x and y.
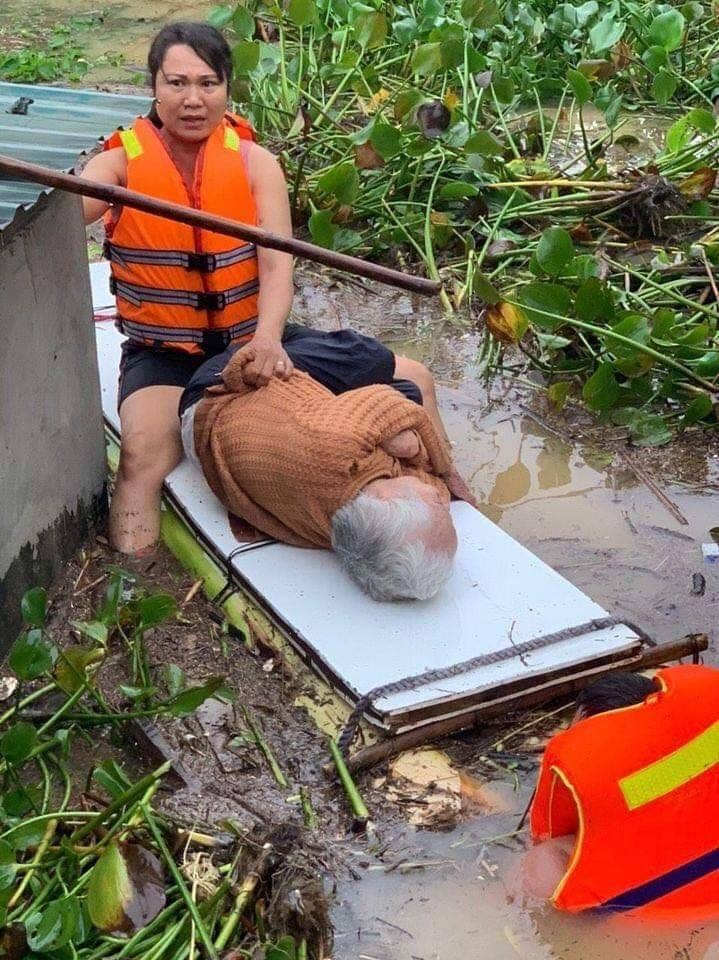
pixel 441 134
pixel 99 872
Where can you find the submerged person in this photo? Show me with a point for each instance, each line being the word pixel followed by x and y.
pixel 625 807
pixel 184 294
pixel 361 472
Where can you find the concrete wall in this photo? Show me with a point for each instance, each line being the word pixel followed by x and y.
pixel 52 459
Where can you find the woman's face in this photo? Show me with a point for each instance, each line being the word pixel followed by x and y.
pixel 191 98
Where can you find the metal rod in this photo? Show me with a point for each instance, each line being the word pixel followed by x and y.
pixel 20 170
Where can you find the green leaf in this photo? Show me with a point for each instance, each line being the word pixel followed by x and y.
pixel 539 299
pixel 26 835
pixel 345 239
pixel 71 668
pixel 405 30
pixel 452 52
pixel 219 17
pixel 113 595
pixel 594 301
pixel 284 949
pixel 174 677
pixel 243 23
pixel 189 700
pixel 667 30
pixel 427 59
pixel 93 629
pixel 601 391
pixel 700 408
pixel 654 58
pixel 155 609
pixel 17 742
pixel 370 29
pixel 302 12
pixel 581 87
pixel 245 56
pixel 606 32
pixel 680 133
pixel 52 926
pixel 503 89
pixel 480 14
pixel 406 101
pixel 708 364
pixel 386 139
pixel 8 866
pixel 322 229
pixel 34 607
pixel 483 288
pixel 32 655
pixel 649 430
pixel 664 87
pixel 558 393
pixel 341 182
pixel 112 778
pixel 126 889
pixel 554 250
pixel 485 144
pixel 458 190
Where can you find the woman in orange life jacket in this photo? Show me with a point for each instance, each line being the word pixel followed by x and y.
pixel 190 66
pixel 640 761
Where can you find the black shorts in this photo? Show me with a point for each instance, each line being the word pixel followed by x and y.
pixel 340 360
pixel 143 366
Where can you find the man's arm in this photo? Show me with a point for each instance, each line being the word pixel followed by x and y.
pixel 264 356
pixel 107 167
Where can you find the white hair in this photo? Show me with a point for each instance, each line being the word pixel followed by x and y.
pixel 381 546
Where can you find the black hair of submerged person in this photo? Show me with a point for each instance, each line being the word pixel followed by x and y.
pixel 614 690
pixel 207 42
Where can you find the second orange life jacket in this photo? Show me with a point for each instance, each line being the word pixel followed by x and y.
pixel 176 285
pixel 639 787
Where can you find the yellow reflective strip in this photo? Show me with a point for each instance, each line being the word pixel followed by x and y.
pixel 672 771
pixel 131 143
pixel 232 140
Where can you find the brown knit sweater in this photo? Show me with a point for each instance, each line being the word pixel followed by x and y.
pixel 286 456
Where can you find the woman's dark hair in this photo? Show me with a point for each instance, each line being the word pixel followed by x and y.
pixel 208 44
pixel 614 690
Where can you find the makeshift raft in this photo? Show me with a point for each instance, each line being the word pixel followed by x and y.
pixel 506 629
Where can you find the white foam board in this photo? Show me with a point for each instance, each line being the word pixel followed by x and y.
pixel 499 593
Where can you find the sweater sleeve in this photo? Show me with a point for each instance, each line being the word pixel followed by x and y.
pixel 371 415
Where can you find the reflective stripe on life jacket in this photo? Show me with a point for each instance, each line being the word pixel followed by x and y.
pixel 178 285
pixel 639 786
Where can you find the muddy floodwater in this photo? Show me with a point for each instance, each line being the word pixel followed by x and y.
pixel 558 486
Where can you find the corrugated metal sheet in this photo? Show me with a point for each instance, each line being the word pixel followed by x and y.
pixel 59 126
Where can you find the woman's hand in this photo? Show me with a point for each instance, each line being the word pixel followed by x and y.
pixel 262 359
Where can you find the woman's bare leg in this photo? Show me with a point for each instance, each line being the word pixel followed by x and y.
pixel 149 450
pixel 406 369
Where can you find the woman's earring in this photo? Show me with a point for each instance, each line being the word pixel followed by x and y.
pixel 157 100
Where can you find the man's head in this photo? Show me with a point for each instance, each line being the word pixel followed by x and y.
pixel 613 691
pixel 190 67
pixel 396 539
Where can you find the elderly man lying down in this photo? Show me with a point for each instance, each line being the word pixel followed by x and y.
pixel 363 472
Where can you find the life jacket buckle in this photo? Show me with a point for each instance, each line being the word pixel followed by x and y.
pixel 202 262
pixel 214 341
pixel 210 301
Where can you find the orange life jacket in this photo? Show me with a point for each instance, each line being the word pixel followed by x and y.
pixel 639 786
pixel 176 285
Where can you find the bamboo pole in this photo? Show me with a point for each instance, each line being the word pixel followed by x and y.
pixel 20 170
